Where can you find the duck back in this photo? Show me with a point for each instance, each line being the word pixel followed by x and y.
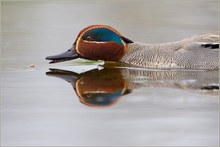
pixel 197 52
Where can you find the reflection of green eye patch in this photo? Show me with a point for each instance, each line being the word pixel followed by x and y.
pixel 102 35
pixel 101 98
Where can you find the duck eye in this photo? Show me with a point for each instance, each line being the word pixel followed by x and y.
pixel 89 38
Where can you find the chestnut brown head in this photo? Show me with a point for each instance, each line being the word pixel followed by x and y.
pixel 95 42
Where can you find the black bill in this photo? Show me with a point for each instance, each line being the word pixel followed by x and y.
pixel 70 54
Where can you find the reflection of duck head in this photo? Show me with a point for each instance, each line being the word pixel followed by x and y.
pixel 95 87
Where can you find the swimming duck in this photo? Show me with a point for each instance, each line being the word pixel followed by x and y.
pixel 102 42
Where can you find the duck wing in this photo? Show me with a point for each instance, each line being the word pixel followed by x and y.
pixel 204 41
pixel 199 52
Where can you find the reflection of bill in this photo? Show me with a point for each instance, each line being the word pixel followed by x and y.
pixel 96 87
pixel 104 87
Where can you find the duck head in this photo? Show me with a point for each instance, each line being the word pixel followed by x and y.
pixel 95 42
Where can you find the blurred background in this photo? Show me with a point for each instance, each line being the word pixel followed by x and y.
pixel 40 110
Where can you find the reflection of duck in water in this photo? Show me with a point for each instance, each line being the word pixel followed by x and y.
pixel 104 87
pixel 95 87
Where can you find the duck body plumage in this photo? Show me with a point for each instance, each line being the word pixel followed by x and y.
pixel 197 52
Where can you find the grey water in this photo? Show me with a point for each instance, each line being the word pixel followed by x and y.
pixel 84 102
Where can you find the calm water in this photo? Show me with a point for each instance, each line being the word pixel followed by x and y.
pixel 91 104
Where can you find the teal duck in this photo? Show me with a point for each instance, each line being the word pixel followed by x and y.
pixel 102 42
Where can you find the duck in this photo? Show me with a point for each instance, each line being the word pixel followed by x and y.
pixel 102 42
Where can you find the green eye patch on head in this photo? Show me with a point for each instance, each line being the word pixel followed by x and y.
pixel 102 35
